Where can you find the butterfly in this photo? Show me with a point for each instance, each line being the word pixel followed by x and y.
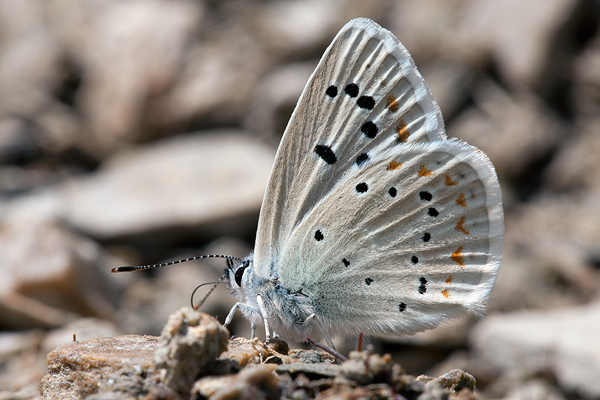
pixel 372 221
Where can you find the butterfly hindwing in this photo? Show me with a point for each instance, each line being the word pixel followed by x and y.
pixel 419 227
pixel 364 97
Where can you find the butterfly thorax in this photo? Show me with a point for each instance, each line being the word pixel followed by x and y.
pixel 286 309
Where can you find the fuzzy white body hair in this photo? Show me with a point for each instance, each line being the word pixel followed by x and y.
pixel 286 310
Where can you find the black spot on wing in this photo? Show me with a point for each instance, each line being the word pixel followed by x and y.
pixel 331 91
pixel 366 102
pixel 326 153
pixel 361 159
pixel 351 90
pixel 424 195
pixel 362 187
pixel 423 285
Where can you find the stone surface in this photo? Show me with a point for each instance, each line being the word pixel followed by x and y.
pixel 81 369
pixel 519 35
pixel 564 342
pixel 188 348
pixel 197 180
pixel 80 330
pixel 116 87
pixel 513 130
pixel 51 274
pixel 256 382
pixel 22 364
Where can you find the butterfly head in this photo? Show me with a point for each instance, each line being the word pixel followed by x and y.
pixel 238 276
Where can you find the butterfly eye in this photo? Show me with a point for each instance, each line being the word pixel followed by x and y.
pixel 239 273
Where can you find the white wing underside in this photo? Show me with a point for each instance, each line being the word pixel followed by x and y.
pixel 359 173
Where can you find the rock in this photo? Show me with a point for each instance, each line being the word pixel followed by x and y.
pixel 301 26
pixel 498 125
pixel 188 348
pixel 130 53
pixel 535 389
pixel 457 380
pixel 216 84
pixel 313 370
pixel 22 364
pixel 522 36
pixel 110 365
pixel 51 274
pixel 586 91
pixel 275 97
pixel 204 181
pixel 575 166
pixel 255 382
pixel 81 330
pixel 29 60
pixel 559 234
pixel 563 341
pixel 432 29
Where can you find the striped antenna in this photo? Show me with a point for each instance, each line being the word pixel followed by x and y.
pixel 197 306
pixel 129 268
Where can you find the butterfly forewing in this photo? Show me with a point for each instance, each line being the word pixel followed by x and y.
pixel 388 227
pixel 364 97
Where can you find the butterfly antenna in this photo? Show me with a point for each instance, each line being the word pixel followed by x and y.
pixel 197 306
pixel 129 268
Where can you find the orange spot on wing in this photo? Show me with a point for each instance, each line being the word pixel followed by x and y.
pixel 393 165
pixel 460 226
pixel 449 182
pixel 424 171
pixel 403 133
pixel 461 201
pixel 392 103
pixel 457 257
pixel 449 280
pixel 446 293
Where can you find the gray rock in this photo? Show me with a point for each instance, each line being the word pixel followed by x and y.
pixel 275 97
pixel 519 35
pixel 324 370
pixel 576 165
pixel 203 180
pixel 300 26
pixel 255 382
pixel 22 365
pixel 50 274
pixel 109 365
pixel 562 341
pixel 536 389
pixel 512 129
pixel 188 348
pixel 81 330
pixel 130 52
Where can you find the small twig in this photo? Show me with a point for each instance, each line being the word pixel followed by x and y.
pixel 359 342
pixel 328 350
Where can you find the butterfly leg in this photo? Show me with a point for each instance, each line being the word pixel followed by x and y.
pixel 252 330
pixel 263 311
pixel 231 314
pixel 313 318
pixel 241 306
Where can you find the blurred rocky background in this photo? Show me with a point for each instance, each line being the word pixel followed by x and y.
pixel 143 131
